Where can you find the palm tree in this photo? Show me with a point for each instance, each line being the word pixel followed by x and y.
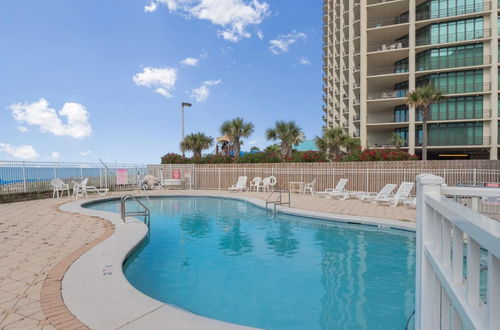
pixel 351 144
pixel 236 129
pixel 331 142
pixel 289 134
pixel 422 98
pixel 397 140
pixel 196 142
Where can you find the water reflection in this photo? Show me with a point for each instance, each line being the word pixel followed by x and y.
pixel 281 238
pixel 196 226
pixel 235 242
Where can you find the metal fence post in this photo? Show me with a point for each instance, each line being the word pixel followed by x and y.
pixel 81 172
pixel 55 171
pixel 24 176
pixel 474 173
pixel 219 179
pixel 367 180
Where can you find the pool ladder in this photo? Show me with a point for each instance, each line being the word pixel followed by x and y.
pixel 279 199
pixel 144 212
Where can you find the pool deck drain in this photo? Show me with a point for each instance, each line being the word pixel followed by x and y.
pixel 38 243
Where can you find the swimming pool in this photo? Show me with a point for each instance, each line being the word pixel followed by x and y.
pixel 230 260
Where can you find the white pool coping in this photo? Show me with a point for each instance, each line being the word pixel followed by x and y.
pixel 96 291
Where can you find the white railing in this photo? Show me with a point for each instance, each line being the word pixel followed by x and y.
pixel 31 176
pixel 447 295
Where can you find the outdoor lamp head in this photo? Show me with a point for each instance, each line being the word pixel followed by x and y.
pixel 185 104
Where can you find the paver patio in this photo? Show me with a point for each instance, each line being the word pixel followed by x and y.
pixel 38 242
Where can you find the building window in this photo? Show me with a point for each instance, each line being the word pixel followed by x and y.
pixel 401 113
pixel 457 82
pixel 446 8
pixel 450 57
pixel 401 89
pixel 401 66
pixel 453 31
pixel 456 108
pixel 452 134
pixel 403 133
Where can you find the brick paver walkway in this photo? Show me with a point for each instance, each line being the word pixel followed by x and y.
pixel 38 243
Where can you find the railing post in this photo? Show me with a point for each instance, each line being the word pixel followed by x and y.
pixel 24 176
pixel 219 179
pixel 426 294
pixel 81 172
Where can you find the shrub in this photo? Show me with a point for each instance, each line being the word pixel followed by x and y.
pixel 260 157
pixel 308 157
pixel 369 155
pixel 173 158
pixel 212 159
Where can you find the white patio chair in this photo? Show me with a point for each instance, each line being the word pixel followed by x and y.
pixel 338 190
pixel 240 185
pixel 384 192
pixel 401 195
pixel 268 183
pixel 59 186
pixel 309 187
pixel 255 183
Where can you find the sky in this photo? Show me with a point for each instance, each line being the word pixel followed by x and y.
pixel 87 79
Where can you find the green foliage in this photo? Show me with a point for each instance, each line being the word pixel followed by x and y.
pixel 196 142
pixel 236 129
pixel 288 133
pixel 275 148
pixel 308 157
pixel 173 158
pixel 260 157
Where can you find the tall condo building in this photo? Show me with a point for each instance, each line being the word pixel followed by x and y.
pixel 376 51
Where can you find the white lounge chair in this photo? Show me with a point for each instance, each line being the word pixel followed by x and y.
pixel 255 183
pixel 401 195
pixel 240 185
pixel 384 192
pixel 80 189
pixel 309 187
pixel 59 186
pixel 337 191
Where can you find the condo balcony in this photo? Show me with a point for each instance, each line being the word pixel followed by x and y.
pixel 428 14
pixel 457 141
pixel 450 38
pixel 389 94
pixel 378 23
pixel 443 63
pixel 385 70
pixel 386 46
pixel 466 88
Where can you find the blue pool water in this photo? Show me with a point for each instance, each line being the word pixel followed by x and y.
pixel 230 260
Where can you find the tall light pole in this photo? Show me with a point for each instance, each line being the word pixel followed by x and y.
pixel 184 104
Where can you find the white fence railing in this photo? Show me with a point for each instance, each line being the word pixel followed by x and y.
pixel 453 290
pixel 29 176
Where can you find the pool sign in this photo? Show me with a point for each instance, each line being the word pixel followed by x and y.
pixel 121 176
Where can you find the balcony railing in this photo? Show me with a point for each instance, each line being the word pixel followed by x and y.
pixel 446 63
pixel 388 21
pixel 387 46
pixel 459 10
pixel 458 141
pixel 453 37
pixel 467 88
pixel 389 69
pixel 387 94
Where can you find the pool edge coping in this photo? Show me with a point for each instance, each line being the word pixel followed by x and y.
pixel 100 268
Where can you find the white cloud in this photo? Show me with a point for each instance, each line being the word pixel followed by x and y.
pixel 161 79
pixel 55 155
pixel 304 61
pixel 190 61
pixel 85 153
pixel 233 16
pixel 283 42
pixel 260 34
pixel 49 121
pixel 22 152
pixel 23 129
pixel 201 93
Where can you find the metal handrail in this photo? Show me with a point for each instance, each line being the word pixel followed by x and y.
pixel 146 212
pixel 279 199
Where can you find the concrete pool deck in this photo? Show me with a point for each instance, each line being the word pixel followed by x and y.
pixel 38 242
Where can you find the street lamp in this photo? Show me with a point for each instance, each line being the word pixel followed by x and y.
pixel 184 104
